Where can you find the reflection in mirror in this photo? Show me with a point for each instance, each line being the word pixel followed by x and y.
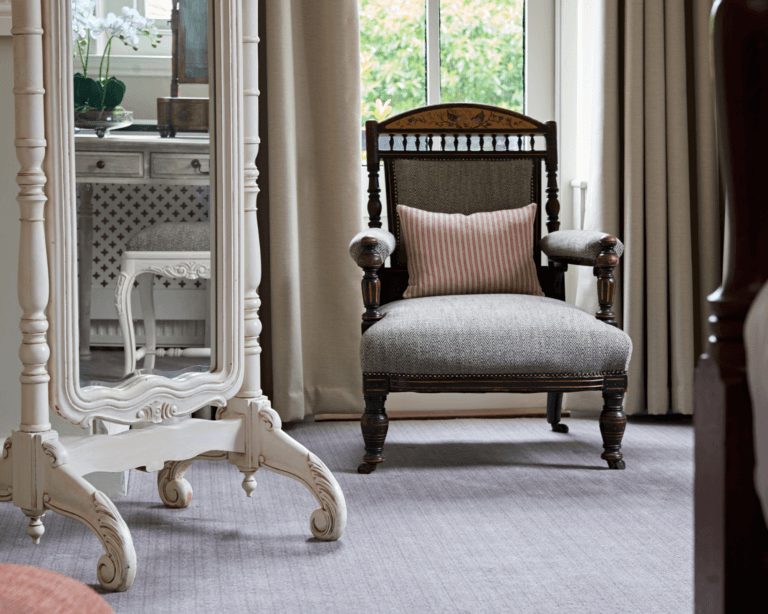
pixel 145 236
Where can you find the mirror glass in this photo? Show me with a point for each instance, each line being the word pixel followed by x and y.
pixel 144 166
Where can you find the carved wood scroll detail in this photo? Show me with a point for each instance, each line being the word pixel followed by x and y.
pixel 460 118
pixel 174 490
pixel 6 491
pixel 323 520
pixel 187 270
pixel 56 453
pixel 157 412
pixel 117 568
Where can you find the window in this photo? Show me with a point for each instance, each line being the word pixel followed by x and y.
pixel 416 52
pixel 159 10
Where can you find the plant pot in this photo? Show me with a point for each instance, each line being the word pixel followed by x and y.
pixel 102 121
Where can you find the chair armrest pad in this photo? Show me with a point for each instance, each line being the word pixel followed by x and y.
pixel 576 246
pixel 385 247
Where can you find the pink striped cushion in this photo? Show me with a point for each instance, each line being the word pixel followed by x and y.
pixel 480 253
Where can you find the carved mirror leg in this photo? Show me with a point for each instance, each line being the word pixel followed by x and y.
pixel 174 490
pixel 282 454
pixel 612 424
pixel 374 425
pixel 70 495
pixel 554 412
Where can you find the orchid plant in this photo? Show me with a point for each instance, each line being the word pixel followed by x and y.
pixel 105 92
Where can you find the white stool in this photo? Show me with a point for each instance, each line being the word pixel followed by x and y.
pixel 172 249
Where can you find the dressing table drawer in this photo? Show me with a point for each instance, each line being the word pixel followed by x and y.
pixel 175 165
pixel 111 164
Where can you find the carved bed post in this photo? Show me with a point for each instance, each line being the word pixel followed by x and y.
pixel 731 538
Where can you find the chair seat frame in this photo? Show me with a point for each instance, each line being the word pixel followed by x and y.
pixel 513 136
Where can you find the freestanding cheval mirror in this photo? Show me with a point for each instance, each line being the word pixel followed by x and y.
pixel 147 409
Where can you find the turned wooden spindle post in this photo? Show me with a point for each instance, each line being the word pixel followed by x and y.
pixel 607 261
pixel 251 388
pixel 370 261
pixel 374 198
pixel 30 144
pixel 731 539
pixel 553 202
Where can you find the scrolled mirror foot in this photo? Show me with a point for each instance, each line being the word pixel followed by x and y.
pixel 70 495
pixel 282 454
pixel 175 492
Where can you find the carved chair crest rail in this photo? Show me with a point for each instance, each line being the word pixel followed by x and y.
pixel 468 158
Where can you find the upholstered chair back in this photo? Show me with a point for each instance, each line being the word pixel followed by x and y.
pixel 459 158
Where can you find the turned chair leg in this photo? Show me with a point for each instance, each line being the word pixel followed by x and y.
pixel 612 424
pixel 146 283
pixel 554 411
pixel 374 425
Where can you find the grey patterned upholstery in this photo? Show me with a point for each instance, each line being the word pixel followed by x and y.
pixel 459 186
pixel 491 334
pixel 575 246
pixel 172 237
pixel 385 247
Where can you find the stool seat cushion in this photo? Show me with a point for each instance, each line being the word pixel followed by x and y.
pixel 172 237
pixel 492 334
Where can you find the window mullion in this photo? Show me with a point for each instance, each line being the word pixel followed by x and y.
pixel 433 51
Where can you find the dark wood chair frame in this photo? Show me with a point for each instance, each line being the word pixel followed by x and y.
pixel 513 136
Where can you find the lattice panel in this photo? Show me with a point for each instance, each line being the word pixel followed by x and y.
pixel 119 211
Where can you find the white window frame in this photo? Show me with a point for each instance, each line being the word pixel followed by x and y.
pixel 124 62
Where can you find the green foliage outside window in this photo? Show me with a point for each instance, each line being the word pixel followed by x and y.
pixel 481 54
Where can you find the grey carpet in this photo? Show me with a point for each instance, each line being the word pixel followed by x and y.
pixel 475 516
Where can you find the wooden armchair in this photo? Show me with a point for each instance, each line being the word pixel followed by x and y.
pixel 472 158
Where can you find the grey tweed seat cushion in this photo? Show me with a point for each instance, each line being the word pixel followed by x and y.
pixel 172 237
pixel 491 334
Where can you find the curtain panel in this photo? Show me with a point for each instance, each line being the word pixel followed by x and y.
pixel 653 182
pixel 310 205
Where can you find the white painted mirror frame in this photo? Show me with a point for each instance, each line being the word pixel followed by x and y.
pixel 148 398
pixel 38 471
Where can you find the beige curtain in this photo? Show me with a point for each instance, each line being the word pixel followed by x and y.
pixel 313 131
pixel 653 182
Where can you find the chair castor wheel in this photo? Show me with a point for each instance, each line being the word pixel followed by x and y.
pixel 560 427
pixel 367 468
pixel 616 464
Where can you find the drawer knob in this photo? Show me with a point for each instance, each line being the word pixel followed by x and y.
pixel 198 169
pixel 100 164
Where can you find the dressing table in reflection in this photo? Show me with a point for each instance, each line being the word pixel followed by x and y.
pixel 41 472
pixel 127 158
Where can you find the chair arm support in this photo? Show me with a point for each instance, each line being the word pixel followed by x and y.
pixel 581 247
pixel 370 261
pixel 606 262
pixel 385 243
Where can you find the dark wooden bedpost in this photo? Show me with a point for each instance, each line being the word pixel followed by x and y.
pixel 731 539
pixel 374 193
pixel 553 202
